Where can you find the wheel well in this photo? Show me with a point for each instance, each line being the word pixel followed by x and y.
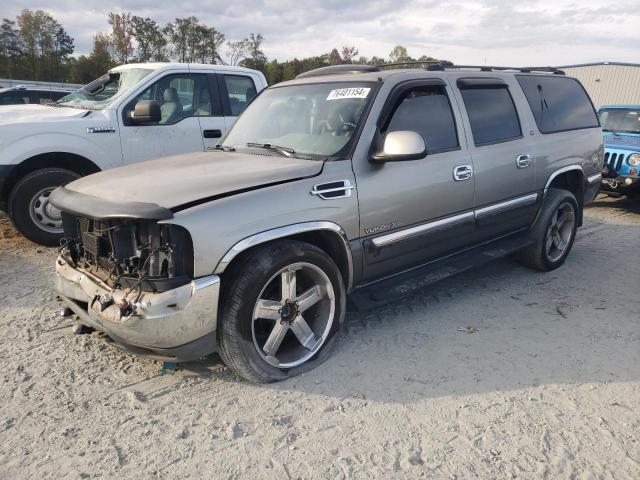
pixel 70 161
pixel 326 240
pixel 573 181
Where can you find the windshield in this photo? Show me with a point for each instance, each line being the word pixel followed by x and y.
pixel 622 120
pixel 101 93
pixel 306 120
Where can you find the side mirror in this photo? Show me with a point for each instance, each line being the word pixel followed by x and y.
pixel 146 111
pixel 400 146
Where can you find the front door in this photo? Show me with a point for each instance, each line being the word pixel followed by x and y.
pixel 183 99
pixel 414 211
pixel 503 158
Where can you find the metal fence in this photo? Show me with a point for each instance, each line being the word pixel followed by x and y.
pixel 6 82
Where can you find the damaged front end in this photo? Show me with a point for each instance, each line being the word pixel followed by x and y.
pixel 132 279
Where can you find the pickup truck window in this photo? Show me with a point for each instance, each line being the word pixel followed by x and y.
pixel 492 115
pixel 180 96
pixel 427 110
pixel 101 93
pixel 240 90
pixel 311 119
pixel 558 103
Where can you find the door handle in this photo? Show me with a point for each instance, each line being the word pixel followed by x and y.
pixel 462 172
pixel 212 133
pixel 523 161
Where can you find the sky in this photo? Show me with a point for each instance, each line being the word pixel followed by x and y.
pixel 513 33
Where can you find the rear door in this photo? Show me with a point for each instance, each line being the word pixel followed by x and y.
pixel 503 155
pixel 415 211
pixel 237 91
pixel 210 113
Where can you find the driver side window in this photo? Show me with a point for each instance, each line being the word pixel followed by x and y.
pixel 427 111
pixel 180 96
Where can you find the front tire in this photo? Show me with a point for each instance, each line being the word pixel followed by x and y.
pixel 29 206
pixel 553 233
pixel 281 311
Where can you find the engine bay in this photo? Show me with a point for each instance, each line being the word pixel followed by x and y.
pixel 138 255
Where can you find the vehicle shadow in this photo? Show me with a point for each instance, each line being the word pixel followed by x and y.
pixel 499 328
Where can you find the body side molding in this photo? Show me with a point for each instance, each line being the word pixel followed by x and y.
pixel 287 231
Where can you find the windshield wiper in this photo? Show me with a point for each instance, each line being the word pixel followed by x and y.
pixel 284 151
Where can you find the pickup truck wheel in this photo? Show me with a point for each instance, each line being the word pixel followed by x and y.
pixel 29 206
pixel 281 311
pixel 553 233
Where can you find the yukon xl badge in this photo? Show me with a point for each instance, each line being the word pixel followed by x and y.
pixel 380 228
pixel 106 129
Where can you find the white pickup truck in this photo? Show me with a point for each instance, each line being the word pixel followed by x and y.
pixel 133 113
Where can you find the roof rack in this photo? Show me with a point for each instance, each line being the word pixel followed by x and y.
pixel 430 65
pixel 339 69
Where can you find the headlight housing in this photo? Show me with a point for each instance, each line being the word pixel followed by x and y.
pixel 633 160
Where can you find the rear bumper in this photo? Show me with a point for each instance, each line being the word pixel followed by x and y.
pixel 177 325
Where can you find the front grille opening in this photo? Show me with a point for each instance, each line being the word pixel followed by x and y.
pixel 130 253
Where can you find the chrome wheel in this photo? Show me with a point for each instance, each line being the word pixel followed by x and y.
pixel 293 315
pixel 43 214
pixel 560 231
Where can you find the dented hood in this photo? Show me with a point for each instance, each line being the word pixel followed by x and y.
pixel 183 180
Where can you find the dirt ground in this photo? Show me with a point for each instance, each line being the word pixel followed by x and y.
pixel 497 373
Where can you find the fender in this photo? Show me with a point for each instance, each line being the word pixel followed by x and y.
pixel 41 143
pixel 288 231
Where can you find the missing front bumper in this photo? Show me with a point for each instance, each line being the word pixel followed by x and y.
pixel 179 324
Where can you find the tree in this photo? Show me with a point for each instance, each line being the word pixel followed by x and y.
pixel 335 58
pixel 150 39
pixel 349 54
pixel 256 58
pixel 121 36
pixel 10 48
pixel 236 51
pixel 399 54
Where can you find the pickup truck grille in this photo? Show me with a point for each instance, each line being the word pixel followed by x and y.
pixel 124 253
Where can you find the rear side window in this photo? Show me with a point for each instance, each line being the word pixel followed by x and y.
pixel 240 90
pixel 558 103
pixel 492 114
pixel 426 110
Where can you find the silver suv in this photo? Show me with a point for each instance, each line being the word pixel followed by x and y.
pixel 346 180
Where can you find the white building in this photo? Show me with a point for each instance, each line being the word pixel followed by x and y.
pixel 608 83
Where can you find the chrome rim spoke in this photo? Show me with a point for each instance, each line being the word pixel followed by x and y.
pixel 303 333
pixel 268 309
pixel 560 231
pixel 288 282
pixel 309 298
pixel 549 242
pixel 275 339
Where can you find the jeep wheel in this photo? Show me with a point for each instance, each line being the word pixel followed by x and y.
pixel 281 311
pixel 29 206
pixel 553 233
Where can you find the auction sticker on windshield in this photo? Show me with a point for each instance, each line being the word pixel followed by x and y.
pixel 341 93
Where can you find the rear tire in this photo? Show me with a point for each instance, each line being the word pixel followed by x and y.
pixel 29 206
pixel 282 309
pixel 553 233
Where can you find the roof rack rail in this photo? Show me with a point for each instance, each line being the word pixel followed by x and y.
pixel 440 66
pixel 339 69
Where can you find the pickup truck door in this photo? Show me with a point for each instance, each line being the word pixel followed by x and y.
pixel 184 98
pixel 414 211
pixel 503 156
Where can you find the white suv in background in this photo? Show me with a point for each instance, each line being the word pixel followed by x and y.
pixel 133 113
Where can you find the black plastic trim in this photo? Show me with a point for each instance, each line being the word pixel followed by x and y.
pixel 481 82
pixel 84 205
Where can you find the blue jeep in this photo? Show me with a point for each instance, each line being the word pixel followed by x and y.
pixel 621 129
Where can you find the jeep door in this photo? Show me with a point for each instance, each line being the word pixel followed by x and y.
pixel 183 99
pixel 415 211
pixel 503 154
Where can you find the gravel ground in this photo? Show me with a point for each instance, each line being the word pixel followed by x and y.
pixel 497 373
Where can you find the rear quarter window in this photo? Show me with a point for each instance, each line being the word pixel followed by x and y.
pixel 558 104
